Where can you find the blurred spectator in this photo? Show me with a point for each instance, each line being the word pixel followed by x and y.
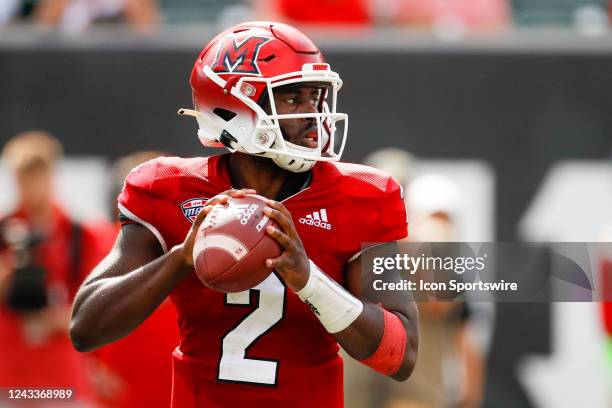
pixel 449 15
pixel 453 14
pixel 450 367
pixel 528 12
pixel 74 16
pixel 363 387
pixel 18 10
pixel 77 15
pixel 135 372
pixel 43 258
pixel 397 162
pixel 324 12
pixel 433 202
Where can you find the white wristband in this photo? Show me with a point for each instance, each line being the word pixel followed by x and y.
pixel 332 304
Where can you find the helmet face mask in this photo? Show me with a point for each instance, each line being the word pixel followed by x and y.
pixel 228 108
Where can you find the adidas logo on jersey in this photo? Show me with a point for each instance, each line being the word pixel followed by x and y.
pixel 317 219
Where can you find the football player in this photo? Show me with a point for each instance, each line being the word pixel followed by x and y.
pixel 265 92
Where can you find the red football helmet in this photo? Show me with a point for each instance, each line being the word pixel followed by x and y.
pixel 242 66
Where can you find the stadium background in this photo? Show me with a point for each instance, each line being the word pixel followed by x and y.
pixel 524 110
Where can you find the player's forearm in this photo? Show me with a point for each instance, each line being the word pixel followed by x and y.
pixel 385 340
pixel 363 337
pixel 109 308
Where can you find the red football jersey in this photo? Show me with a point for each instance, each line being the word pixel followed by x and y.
pixel 262 347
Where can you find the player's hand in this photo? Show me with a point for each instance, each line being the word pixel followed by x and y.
pixel 292 265
pixel 186 248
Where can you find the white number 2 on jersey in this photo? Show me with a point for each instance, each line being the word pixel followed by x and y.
pixel 234 365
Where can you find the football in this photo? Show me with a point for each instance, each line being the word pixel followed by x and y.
pixel 231 245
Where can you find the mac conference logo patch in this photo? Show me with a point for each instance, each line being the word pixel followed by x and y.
pixel 192 207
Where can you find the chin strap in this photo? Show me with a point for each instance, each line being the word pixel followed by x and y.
pixel 292 164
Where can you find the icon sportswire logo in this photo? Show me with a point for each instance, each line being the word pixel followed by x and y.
pixel 317 219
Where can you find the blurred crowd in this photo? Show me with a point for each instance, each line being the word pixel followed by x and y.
pixel 441 16
pixel 44 256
